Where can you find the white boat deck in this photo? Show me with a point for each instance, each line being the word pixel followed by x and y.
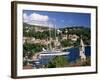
pixel 53 53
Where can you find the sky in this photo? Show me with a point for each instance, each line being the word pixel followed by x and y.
pixel 58 19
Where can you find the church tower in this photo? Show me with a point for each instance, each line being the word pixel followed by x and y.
pixel 82 51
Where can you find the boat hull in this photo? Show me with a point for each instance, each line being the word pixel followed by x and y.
pixel 54 53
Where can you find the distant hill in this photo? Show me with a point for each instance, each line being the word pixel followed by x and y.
pixel 46 27
pixel 28 25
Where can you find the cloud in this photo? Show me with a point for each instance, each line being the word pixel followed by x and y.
pixel 37 19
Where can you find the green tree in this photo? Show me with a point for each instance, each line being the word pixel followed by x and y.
pixel 65 43
pixel 31 49
pixel 58 61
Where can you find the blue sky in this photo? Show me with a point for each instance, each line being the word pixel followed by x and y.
pixel 60 19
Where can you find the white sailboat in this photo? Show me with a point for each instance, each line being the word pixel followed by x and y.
pixel 53 52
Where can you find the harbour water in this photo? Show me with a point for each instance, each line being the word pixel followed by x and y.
pixel 74 54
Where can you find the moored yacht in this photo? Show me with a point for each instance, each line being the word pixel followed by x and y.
pixel 55 51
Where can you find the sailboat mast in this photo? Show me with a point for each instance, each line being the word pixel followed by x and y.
pixel 55 35
pixel 50 36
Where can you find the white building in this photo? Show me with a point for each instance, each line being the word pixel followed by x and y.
pixel 73 37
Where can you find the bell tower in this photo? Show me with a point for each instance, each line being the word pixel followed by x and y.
pixel 82 51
